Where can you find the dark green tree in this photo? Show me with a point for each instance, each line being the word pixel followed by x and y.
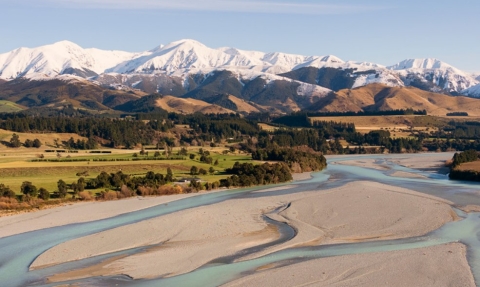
pixel 28 188
pixel 37 143
pixel 74 188
pixel 43 193
pixel 62 188
pixel 15 141
pixel 211 170
pixel 6 191
pixel 194 170
pixel 202 171
pixel 28 143
pixel 81 184
pixel 169 177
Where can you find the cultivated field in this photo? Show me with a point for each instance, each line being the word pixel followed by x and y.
pixel 18 165
pixel 399 126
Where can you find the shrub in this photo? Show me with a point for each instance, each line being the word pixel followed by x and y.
pixel 126 192
pixel 43 194
pixel 109 195
pixel 85 195
pixel 8 203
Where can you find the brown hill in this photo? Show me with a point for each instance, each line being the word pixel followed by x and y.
pixel 244 106
pixel 189 106
pixel 377 97
pixel 60 92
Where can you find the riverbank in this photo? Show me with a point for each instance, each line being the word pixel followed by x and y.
pixel 45 205
pixel 78 212
pixel 252 224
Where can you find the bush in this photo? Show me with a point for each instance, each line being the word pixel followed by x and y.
pixel 126 192
pixel 85 195
pixel 161 190
pixel 109 195
pixel 6 191
pixel 43 194
pixel 8 203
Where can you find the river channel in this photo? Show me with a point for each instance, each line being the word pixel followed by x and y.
pixel 17 252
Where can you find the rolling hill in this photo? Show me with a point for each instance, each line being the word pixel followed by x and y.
pixel 378 97
pixel 189 106
pixel 59 92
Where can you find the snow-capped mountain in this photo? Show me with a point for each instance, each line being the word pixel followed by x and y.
pixel 472 91
pixel 190 56
pixel 59 58
pixel 182 66
pixel 434 75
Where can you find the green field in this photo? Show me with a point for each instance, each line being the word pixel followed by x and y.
pixel 14 169
pixel 9 107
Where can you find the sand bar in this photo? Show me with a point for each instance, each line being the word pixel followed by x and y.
pixel 443 265
pixel 355 212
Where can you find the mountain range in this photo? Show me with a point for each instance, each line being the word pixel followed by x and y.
pixel 227 77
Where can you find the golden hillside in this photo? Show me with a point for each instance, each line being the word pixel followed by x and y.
pixel 377 97
pixel 243 106
pixel 189 106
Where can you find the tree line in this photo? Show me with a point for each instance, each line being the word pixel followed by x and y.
pixel 248 174
pixel 15 142
pixel 464 157
pixel 297 160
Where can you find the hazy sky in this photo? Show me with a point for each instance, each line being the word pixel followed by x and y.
pixel 383 32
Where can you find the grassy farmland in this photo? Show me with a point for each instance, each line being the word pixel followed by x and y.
pixel 398 125
pixel 19 164
pixel 9 107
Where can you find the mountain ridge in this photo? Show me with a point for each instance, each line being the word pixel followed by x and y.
pixel 188 57
pixel 187 68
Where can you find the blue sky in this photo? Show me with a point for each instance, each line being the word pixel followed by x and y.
pixel 383 32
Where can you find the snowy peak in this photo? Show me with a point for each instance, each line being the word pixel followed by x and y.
pixel 185 44
pixel 434 75
pixel 56 59
pixel 472 91
pixel 190 56
pixel 332 59
pixel 187 57
pixel 180 55
pixel 430 63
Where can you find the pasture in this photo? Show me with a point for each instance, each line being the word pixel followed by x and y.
pixel 398 126
pixel 22 164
